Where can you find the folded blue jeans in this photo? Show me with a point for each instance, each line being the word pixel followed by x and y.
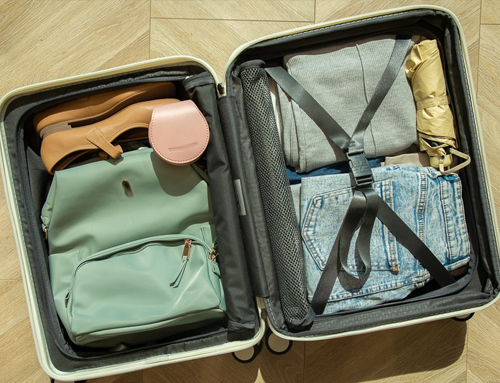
pixel 427 201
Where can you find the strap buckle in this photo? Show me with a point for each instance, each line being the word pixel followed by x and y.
pixel 361 173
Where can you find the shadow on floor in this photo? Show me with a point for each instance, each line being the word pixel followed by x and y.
pixel 425 349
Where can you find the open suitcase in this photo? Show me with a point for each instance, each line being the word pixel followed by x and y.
pixel 253 283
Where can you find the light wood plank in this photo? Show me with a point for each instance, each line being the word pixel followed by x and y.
pixel 484 328
pixel 279 10
pixel 133 377
pixel 484 349
pixel 431 352
pixel 489 77
pixel 212 41
pixel 467 11
pixel 14 307
pixel 266 368
pixel 490 12
pixel 18 361
pixel 45 40
pixel 488 100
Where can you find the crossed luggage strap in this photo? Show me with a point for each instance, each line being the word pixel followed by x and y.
pixel 365 205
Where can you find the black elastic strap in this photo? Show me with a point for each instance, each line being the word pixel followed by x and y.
pixel 342 243
pixel 365 233
pixel 310 106
pixel 407 238
pixel 361 213
pixel 390 74
pixel 404 235
pixel 356 146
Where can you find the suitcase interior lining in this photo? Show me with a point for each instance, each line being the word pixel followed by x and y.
pixel 31 182
pixel 474 289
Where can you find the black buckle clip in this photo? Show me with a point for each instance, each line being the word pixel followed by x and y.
pixel 361 173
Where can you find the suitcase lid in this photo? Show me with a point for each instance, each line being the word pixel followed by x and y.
pixel 247 52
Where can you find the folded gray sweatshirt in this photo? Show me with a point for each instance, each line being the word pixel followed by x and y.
pixel 342 78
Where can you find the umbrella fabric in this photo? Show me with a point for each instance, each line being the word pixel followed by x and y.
pixel 436 132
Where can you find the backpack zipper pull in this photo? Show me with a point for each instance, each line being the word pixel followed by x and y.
pixel 187 249
pixel 184 259
pixel 213 253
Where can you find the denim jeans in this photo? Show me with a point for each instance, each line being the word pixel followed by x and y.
pixel 427 201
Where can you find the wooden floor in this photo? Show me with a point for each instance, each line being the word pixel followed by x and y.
pixel 43 40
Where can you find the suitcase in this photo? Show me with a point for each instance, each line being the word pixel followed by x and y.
pixel 250 274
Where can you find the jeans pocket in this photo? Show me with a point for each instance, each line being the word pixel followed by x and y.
pixel 322 220
pixel 443 224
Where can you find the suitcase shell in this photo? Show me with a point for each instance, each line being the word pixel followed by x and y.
pixel 53 367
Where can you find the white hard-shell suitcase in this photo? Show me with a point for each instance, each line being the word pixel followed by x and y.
pixel 254 299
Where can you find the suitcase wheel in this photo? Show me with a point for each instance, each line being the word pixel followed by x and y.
pixel 277 345
pixel 249 354
pixel 464 318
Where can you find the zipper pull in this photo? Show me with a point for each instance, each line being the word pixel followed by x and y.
pixel 187 249
pixel 45 231
pixel 213 254
pixel 185 253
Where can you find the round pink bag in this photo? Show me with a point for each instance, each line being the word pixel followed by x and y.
pixel 178 132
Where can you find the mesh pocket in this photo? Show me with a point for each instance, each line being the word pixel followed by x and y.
pixel 276 196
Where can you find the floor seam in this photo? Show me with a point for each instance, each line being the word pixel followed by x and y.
pixel 479 51
pixel 304 365
pixel 249 20
pixel 467 352
pixel 150 22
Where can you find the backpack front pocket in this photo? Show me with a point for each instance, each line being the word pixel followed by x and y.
pixel 143 291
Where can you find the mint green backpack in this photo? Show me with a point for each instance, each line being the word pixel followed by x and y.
pixel 131 257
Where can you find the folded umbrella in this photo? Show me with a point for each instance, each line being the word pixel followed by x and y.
pixel 436 132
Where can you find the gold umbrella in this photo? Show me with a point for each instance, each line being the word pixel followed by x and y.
pixel 436 133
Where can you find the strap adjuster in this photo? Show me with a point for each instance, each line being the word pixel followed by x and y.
pixel 361 173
